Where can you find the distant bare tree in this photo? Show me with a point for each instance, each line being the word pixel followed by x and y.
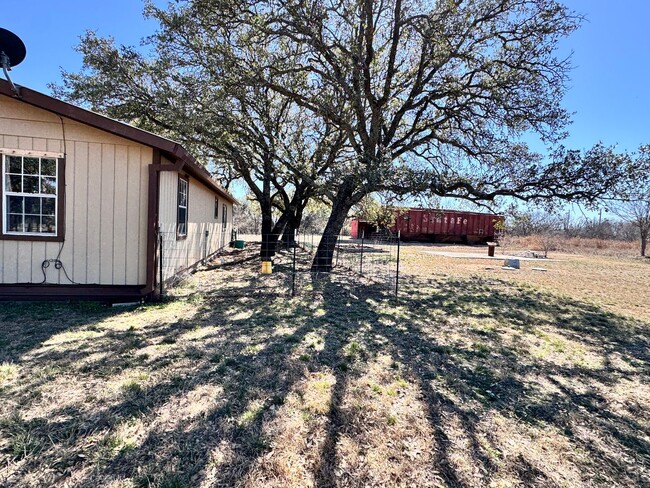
pixel 637 213
pixel 635 208
pixel 247 214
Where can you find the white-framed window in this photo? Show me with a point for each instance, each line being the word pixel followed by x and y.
pixel 183 193
pixel 224 218
pixel 30 195
pixel 216 208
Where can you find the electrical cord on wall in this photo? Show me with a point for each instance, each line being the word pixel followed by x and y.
pixel 58 264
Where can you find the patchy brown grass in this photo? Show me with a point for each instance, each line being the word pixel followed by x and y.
pixel 574 245
pixel 474 378
pixel 619 285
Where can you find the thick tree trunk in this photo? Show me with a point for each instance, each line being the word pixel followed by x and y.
pixel 340 207
pixel 267 251
pixel 289 236
pixel 278 230
pixel 644 243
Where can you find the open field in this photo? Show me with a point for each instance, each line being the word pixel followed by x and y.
pixel 619 285
pixel 576 245
pixel 474 378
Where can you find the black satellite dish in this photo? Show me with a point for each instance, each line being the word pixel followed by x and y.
pixel 12 53
pixel 12 47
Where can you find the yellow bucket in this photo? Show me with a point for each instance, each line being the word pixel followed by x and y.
pixel 267 267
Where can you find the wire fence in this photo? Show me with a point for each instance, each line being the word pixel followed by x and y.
pixel 296 265
pixel 299 264
pixel 180 254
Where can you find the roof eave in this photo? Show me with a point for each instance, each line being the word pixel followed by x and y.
pixel 118 128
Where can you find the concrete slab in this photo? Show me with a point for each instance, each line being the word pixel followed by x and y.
pixel 483 255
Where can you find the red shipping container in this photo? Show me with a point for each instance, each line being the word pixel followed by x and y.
pixel 439 225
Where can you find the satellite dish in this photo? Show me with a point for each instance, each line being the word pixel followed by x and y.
pixel 12 47
pixel 12 53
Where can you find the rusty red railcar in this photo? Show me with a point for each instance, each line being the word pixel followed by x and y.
pixel 437 225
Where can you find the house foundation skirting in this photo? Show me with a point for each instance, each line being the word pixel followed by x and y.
pixel 100 293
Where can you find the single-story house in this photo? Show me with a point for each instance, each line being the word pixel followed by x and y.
pixel 88 202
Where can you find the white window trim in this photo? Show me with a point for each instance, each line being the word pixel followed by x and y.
pixel 187 202
pixel 224 217
pixel 5 193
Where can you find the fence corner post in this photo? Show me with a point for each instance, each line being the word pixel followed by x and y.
pixel 338 248
pixel 207 243
pixel 293 272
pixel 161 265
pixel 363 235
pixel 397 269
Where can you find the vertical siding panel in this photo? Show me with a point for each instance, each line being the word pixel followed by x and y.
pixel 24 262
pixel 39 144
pixel 39 253
pixel 79 185
pixel 93 212
pixel 106 224
pixel 71 200
pixel 56 145
pixel 32 260
pixel 25 143
pixel 106 205
pixel 68 256
pixel 10 267
pixel 132 234
pixel 11 142
pixel 107 171
pixel 120 248
pixel 48 250
pixel 146 158
pixel 175 251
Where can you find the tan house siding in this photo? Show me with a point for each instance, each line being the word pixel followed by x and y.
pixel 180 253
pixel 105 201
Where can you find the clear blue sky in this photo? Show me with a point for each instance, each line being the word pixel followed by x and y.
pixel 609 88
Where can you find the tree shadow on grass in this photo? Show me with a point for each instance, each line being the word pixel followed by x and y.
pixel 26 326
pixel 541 365
pixel 245 360
pixel 523 369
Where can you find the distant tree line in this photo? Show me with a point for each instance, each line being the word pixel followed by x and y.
pixel 529 223
pixel 623 221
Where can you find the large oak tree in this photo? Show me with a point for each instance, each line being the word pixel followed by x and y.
pixel 249 132
pixel 436 94
pixel 430 95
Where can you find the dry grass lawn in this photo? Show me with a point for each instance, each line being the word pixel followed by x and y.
pixel 619 285
pixel 474 378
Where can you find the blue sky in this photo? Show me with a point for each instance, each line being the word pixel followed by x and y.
pixel 609 88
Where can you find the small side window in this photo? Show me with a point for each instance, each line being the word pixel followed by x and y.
pixel 216 208
pixel 181 223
